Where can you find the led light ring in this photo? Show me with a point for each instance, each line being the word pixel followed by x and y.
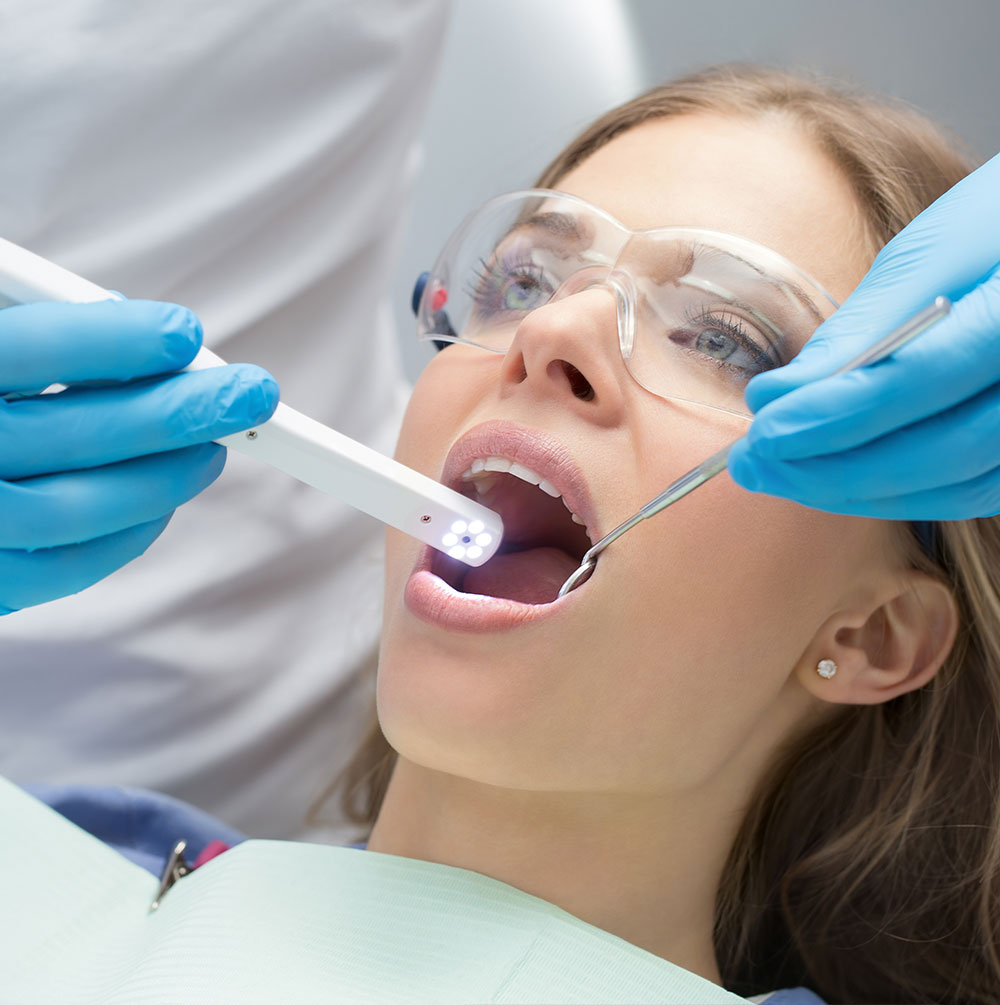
pixel 459 541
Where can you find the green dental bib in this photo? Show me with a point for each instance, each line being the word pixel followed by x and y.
pixel 276 921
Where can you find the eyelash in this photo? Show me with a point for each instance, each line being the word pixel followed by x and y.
pixel 491 276
pixel 731 325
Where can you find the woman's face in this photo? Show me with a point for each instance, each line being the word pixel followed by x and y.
pixel 660 670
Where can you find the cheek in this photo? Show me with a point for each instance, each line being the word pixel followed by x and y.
pixel 443 399
pixel 432 398
pixel 714 600
pixel 725 557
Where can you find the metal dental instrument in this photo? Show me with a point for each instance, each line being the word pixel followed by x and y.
pixel 919 323
pixel 298 445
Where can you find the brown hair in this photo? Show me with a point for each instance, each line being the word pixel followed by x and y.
pixel 868 864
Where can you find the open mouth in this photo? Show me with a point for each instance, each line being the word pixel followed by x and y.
pixel 543 540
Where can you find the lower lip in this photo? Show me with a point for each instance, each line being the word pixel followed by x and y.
pixel 432 600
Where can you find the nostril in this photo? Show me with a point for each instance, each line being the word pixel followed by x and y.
pixel 579 384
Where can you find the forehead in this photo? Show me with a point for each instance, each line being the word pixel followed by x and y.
pixel 762 179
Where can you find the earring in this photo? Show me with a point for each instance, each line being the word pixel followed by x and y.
pixel 826 669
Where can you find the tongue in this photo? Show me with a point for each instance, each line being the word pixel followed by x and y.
pixel 531 577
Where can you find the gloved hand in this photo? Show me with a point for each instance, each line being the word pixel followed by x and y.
pixel 916 436
pixel 89 477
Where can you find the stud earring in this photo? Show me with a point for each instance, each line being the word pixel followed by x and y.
pixel 826 669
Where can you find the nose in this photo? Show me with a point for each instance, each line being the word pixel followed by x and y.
pixel 567 351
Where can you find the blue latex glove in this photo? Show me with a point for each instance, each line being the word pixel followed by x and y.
pixel 916 436
pixel 89 477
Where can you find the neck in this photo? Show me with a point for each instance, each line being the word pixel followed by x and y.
pixel 630 865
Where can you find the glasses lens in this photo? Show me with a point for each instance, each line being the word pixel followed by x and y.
pixel 711 312
pixel 508 259
pixel 699 313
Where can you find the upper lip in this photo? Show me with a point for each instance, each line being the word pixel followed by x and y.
pixel 542 453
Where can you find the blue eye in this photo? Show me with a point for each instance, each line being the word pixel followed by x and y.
pixel 510 283
pixel 525 290
pixel 715 343
pixel 722 340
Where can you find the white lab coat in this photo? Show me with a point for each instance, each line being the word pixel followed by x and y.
pixel 252 161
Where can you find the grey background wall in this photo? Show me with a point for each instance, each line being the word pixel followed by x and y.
pixel 941 55
pixel 519 78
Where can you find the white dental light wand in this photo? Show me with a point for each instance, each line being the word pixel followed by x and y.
pixel 300 446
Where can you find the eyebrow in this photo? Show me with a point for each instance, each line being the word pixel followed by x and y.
pixel 557 224
pixel 783 286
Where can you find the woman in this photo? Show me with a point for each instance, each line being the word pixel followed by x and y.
pixel 667 730
pixel 751 743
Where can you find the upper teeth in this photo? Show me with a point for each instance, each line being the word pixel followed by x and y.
pixel 483 482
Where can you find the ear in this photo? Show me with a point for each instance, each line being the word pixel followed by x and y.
pixel 893 645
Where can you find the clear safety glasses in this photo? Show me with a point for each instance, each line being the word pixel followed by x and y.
pixel 699 312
